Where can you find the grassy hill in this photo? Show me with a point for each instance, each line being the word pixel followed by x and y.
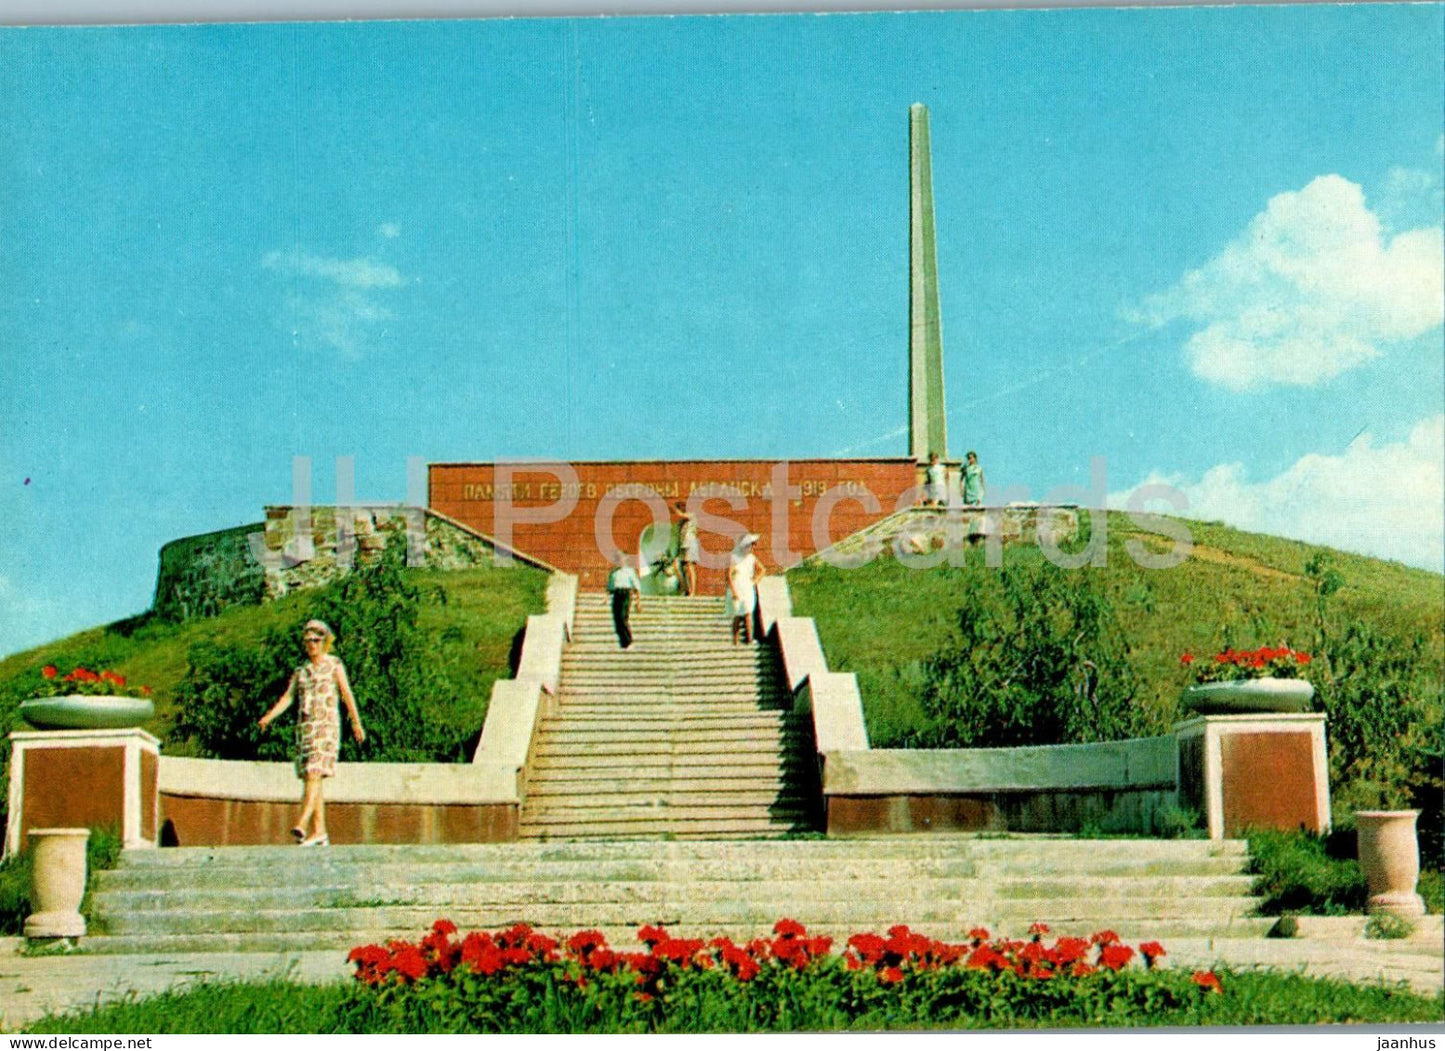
pixel 883 620
pixel 1381 691
pixel 479 615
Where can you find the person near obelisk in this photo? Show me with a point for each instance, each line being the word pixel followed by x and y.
pixel 972 476
pixel 936 492
pixel 744 572
pixel 625 587
pixel 318 685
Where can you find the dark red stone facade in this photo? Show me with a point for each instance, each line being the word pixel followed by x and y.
pixel 193 822
pixel 827 501
pixel 1269 782
pixel 73 788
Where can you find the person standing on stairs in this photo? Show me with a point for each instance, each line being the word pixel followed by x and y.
pixel 625 588
pixel 689 552
pixel 320 681
pixel 744 572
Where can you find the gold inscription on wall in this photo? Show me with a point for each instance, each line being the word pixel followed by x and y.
pixel 644 490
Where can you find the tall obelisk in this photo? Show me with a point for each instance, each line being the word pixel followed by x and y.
pixel 927 426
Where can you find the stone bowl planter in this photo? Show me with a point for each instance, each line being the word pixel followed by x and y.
pixel 1389 854
pixel 78 712
pixel 1242 696
pixel 57 882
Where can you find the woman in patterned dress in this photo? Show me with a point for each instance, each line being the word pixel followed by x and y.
pixel 318 682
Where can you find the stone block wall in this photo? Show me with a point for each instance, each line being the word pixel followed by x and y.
pixel 304 546
pixel 201 575
pixel 299 548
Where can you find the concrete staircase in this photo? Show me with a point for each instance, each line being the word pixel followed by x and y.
pixel 278 899
pixel 683 736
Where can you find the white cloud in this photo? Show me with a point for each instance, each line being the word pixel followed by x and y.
pixel 389 230
pixel 352 273
pixel 1382 500
pixel 1313 287
pixel 337 306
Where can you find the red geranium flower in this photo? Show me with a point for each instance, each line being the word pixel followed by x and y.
pixel 50 671
pixel 1151 951
pixel 1208 981
pixel 1115 957
pixel 789 928
pixel 1186 659
pixel 1104 937
pixel 1038 930
pixel 890 975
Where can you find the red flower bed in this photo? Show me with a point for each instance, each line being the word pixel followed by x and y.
pixel 85 682
pixel 892 958
pixel 1279 662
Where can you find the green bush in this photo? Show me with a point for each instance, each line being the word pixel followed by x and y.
pixel 793 1004
pixel 393 665
pixel 102 851
pixel 1037 658
pixel 14 892
pixel 1297 873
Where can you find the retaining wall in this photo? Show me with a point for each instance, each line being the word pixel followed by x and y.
pixel 1113 786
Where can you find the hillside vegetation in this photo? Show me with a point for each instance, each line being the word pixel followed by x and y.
pixel 899 628
pixel 466 624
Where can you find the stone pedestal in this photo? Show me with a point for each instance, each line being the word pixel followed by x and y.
pixel 1255 771
pixel 84 779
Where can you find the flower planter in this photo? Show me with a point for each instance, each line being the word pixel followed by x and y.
pixel 80 712
pixel 1389 856
pixel 57 882
pixel 1249 696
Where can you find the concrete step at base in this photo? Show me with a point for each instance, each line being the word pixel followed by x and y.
pixel 545 825
pixel 520 892
pixel 713 916
pixel 1211 944
pixel 661 787
pixel 244 881
pixel 676 753
pixel 1051 851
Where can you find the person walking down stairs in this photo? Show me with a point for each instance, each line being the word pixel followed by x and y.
pixel 744 572
pixel 626 591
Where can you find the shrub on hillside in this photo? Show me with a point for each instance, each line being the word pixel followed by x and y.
pixel 1296 872
pixel 1037 658
pixel 1386 709
pixel 392 664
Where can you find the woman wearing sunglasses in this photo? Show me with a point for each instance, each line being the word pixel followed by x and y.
pixel 318 683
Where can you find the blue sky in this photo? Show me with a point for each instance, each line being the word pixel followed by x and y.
pixel 1204 244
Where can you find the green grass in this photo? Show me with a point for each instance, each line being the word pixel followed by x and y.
pixel 883 620
pixel 483 611
pixel 1298 872
pixel 1250 999
pixel 102 851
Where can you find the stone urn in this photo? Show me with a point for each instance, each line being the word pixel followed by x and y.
pixel 57 882
pixel 1389 856
pixel 1249 696
pixel 84 712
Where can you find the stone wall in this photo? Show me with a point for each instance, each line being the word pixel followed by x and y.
pixel 299 548
pixel 307 547
pixel 201 575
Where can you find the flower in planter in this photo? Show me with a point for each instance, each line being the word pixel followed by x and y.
pixel 86 683
pixel 1231 665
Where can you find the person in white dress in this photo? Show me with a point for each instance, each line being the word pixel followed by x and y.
pixel 744 572
pixel 318 683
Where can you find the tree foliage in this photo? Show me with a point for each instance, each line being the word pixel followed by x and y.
pixel 392 664
pixel 1037 658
